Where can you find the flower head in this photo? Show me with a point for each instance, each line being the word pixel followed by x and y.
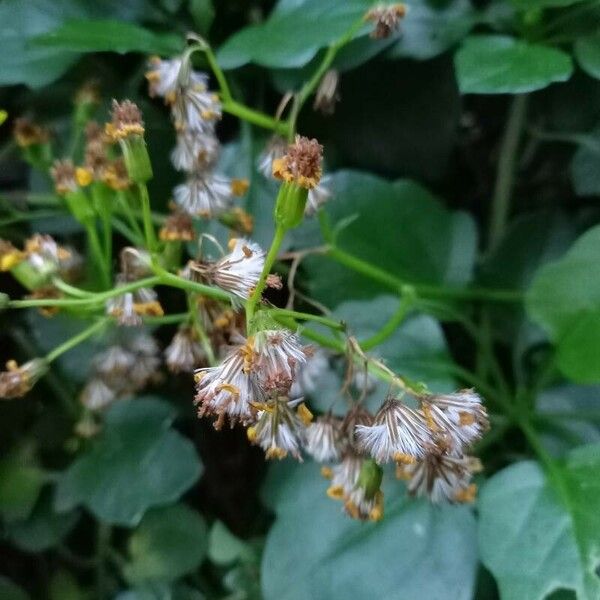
pixel 204 194
pixel 441 477
pixel 96 395
pixel 163 76
pixel 279 353
pixel 10 256
pixel 16 381
pixel 178 227
pixel 45 255
pixel 184 353
pixel 129 307
pixel 126 121
pixel 301 164
pixel 398 433
pixel 194 151
pixel 323 441
pixel 275 149
pixel 327 93
pixel 309 372
pixel 386 19
pixel 28 133
pixel 64 175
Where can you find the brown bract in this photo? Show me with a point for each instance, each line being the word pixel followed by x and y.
pixel 301 164
pixel 386 19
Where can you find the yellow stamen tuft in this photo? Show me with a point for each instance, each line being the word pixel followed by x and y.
pixel 231 243
pixel 336 492
pixel 149 309
pixel 402 473
pixel 326 472
pixel 466 419
pixel 404 459
pixel 83 176
pixel 466 495
pixel 251 434
pixel 305 415
pixel 231 389
pixel 239 186
pixel 278 453
pixel 11 259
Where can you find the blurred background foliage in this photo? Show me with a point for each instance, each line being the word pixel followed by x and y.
pixel 417 147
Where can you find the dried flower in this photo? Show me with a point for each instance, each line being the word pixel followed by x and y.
pixel 163 76
pixel 441 477
pixel 115 175
pixel 327 94
pixel 398 433
pixel 65 177
pixel 28 133
pixel 184 353
pixel 323 441
pixel 301 164
pixel 279 353
pixel 178 227
pixel 96 395
pixel 195 151
pixel 129 307
pixel 45 255
pixel 386 19
pixel 16 381
pixel 276 148
pixel 204 194
pixel 309 372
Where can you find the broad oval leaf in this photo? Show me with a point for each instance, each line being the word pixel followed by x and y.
pixel 169 542
pixel 587 52
pixel 137 462
pixel 495 64
pixel 401 228
pixel 109 36
pixel 584 167
pixel 565 299
pixel 536 541
pixel 315 551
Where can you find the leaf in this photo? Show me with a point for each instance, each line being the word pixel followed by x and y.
pixel 289 37
pixel 223 547
pixel 109 36
pixel 429 30
pixel 495 64
pixel 20 487
pixel 43 528
pixel 203 13
pixel 533 541
pixel 401 228
pixel 160 591
pixel 564 299
pixel 587 53
pixel 315 551
pixel 168 543
pixel 584 168
pixel 136 463
pixel 534 4
pixel 10 590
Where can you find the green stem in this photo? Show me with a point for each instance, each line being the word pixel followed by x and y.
pixel 406 304
pixel 169 279
pixel 171 319
pixel 262 281
pixel 149 232
pixel 218 73
pixel 76 340
pixel 102 551
pixel 97 254
pixel 199 329
pixel 255 117
pixel 302 316
pixel 124 204
pixel 40 214
pixel 507 163
pixel 71 290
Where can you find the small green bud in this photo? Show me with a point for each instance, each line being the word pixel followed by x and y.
pixel 137 159
pixel 370 478
pixel 79 205
pixel 290 205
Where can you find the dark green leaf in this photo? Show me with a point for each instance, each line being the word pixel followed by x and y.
pixel 44 527
pixel 10 590
pixel 400 228
pixel 314 551
pixel 169 542
pixel 109 36
pixel 584 168
pixel 20 487
pixel 137 462
pixel 565 299
pixel 587 52
pixel 533 4
pixel 203 13
pixel 223 547
pixel 494 64
pixel 536 539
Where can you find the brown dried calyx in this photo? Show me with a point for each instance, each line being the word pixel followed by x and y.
pixel 63 175
pixel 126 120
pixel 386 19
pixel 301 164
pixel 27 133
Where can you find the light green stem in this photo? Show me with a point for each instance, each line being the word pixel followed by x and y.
pixel 262 281
pixel 149 232
pixel 406 304
pixel 76 340
pixel 97 253
pixel 302 316
pixel 255 117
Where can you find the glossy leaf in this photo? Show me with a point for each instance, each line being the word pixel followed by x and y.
pixel 315 551
pixel 565 299
pixel 109 36
pixel 587 52
pixel 495 64
pixel 169 542
pixel 535 538
pixel 223 547
pixel 276 43
pixel 136 463
pixel 20 487
pixel 401 228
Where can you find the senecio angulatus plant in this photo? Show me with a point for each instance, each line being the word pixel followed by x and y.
pixel 249 363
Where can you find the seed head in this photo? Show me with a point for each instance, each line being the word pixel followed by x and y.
pixel 301 164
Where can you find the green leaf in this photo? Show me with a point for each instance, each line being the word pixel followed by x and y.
pixel 203 13
pixel 565 299
pixel 495 64
pixel 161 591
pixel 587 52
pixel 535 540
pixel 109 36
pixel 10 590
pixel 44 527
pixel 534 4
pixel 429 30
pixel 315 551
pixel 136 463
pixel 401 228
pixel 168 543
pixel 20 487
pixel 223 547
pixel 289 38
pixel 584 168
